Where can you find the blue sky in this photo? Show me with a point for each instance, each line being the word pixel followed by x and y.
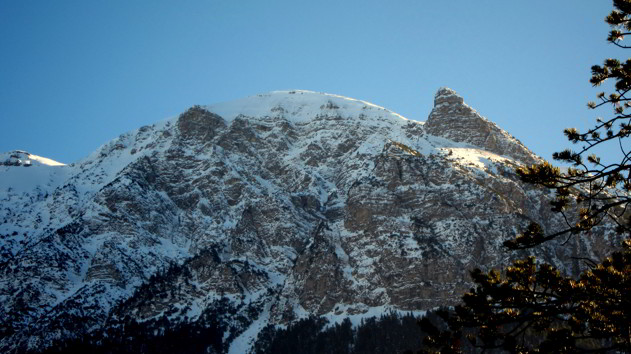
pixel 76 74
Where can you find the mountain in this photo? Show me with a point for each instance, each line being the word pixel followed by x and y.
pixel 263 211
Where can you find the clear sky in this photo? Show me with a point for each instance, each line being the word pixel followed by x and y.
pixel 76 74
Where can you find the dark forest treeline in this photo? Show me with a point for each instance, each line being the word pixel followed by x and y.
pixel 390 333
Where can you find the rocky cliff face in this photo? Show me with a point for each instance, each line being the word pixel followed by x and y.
pixel 453 119
pixel 277 206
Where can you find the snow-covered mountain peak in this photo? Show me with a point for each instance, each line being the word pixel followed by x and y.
pixel 22 172
pixel 261 210
pixel 295 106
pixel 23 158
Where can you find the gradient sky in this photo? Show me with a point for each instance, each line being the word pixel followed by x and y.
pixel 76 74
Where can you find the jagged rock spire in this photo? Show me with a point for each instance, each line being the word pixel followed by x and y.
pixel 448 96
pixel 455 120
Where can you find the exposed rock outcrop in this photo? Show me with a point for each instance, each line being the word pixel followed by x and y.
pixel 455 120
